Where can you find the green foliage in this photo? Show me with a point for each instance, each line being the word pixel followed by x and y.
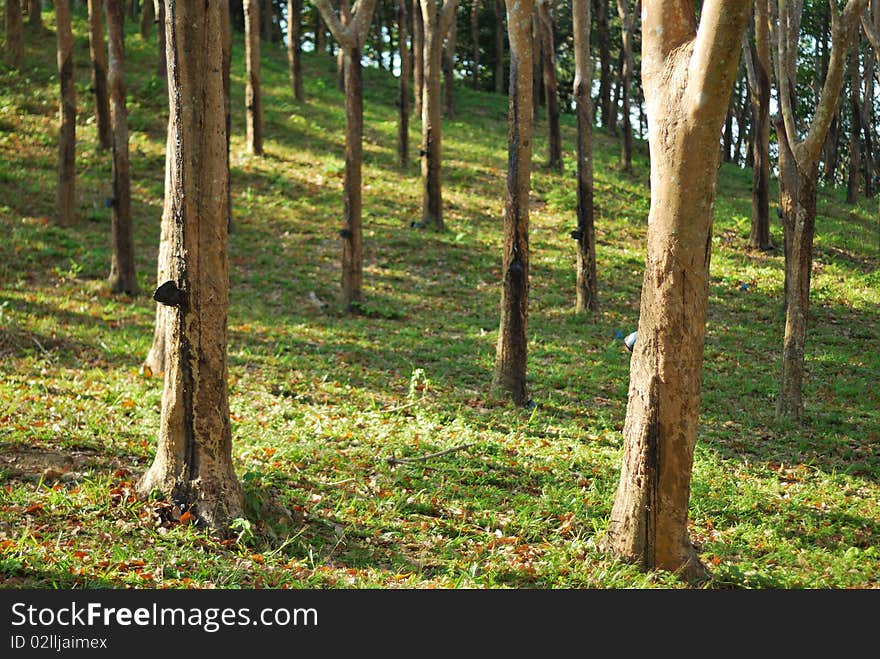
pixel 321 399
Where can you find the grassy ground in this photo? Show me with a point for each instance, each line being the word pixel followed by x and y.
pixel 320 399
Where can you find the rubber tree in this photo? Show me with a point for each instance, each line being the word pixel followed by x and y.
pixel 418 50
pixel 687 77
pixel 627 20
pixel 161 66
pixel 436 21
pixel 757 59
pixel 253 96
pixel 147 19
pixel 871 27
pixel 66 193
pixel 586 297
pixel 122 269
pixel 14 34
pixel 498 6
pixel 35 13
pixel 546 29
pixel 98 53
pixel 607 115
pixel 193 463
pixel 448 66
pixel 799 172
pixel 475 43
pixel 294 49
pixel 511 350
pixel 406 64
pixel 350 38
pixel 855 124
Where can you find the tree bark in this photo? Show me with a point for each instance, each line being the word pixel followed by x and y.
pixel 499 46
pixel 551 92
pixel 418 48
pixel 66 196
pixel 855 128
pixel 193 463
pixel 226 45
pixel 511 349
pixel 253 96
pixel 35 13
pixel 537 78
pixel 14 34
pixel 758 75
pixel 437 22
pixel 602 30
pixel 587 297
pixel 320 34
pixel 122 270
pixel 475 44
pixel 344 17
pixel 624 10
pixel 687 78
pixel 99 73
pixel 798 180
pixel 350 37
pixel 294 48
pixel 161 64
pixel 448 66
pixel 403 82
pixel 147 17
pixel 868 120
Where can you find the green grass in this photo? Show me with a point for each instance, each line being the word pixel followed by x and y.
pixel 321 399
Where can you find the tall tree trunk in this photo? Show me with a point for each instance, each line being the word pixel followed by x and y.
pixel 99 73
pixel 448 66
pixel 155 360
pixel 758 72
pixel 133 9
pixel 625 11
pixel 146 19
pixel 602 30
pixel 193 463
pixel 499 46
pixel 799 166
pixel 35 13
pixel 66 198
pixel 253 97
pixel 831 150
pixel 403 82
pixel 868 120
pixel 587 298
pixel 265 20
pixel 161 64
pixel 418 48
pixel 437 22
pixel 320 34
pixel 551 92
pixel 14 34
pixel 855 127
pixel 226 49
pixel 537 78
pixel 475 44
pixel 687 76
pixel 344 17
pixel 351 37
pixel 122 271
pixel 294 48
pixel 511 350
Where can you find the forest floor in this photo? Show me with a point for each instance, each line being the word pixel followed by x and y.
pixel 321 400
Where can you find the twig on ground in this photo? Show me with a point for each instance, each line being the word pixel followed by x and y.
pixel 40 346
pixel 394 460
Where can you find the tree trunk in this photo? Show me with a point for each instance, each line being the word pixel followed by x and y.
pixel 624 10
pixel 122 271
pixel 537 78
pixel 687 78
pixel 475 44
pixel 193 464
pixel 831 151
pixel 436 22
pixel 294 48
pixel 226 44
pixel 161 64
pixel 133 9
pixel 511 350
pixel 855 127
pixel 147 17
pixel 602 31
pixel 99 73
pixel 320 34
pixel 418 48
pixel 351 234
pixel 66 198
pixel 253 97
pixel 14 34
pixel 448 66
pixel 265 21
pixel 548 56
pixel 499 46
pixel 35 13
pixel 868 120
pixel 403 83
pixel 758 62
pixel 587 298
pixel 344 17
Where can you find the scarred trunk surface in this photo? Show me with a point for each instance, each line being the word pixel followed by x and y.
pixel 511 350
pixel 66 196
pixel 193 463
pixel 687 81
pixel 253 97
pixel 99 73
pixel 587 297
pixel 122 271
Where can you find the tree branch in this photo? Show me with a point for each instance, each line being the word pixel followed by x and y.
pixel 344 34
pixel 782 72
pixel 871 33
pixel 394 461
